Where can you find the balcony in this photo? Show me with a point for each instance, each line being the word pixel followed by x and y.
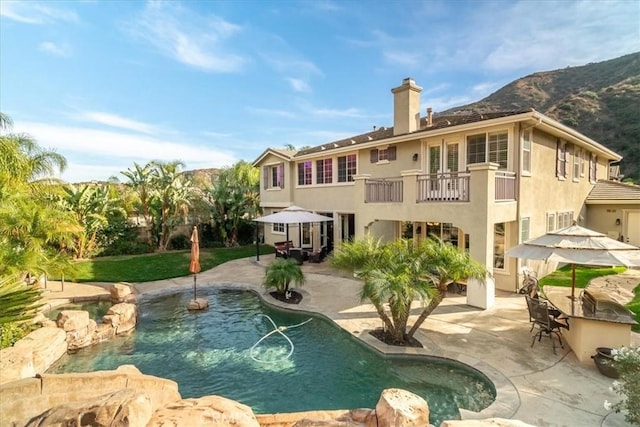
pixel 385 190
pixel 450 187
pixel 505 186
pixel 443 187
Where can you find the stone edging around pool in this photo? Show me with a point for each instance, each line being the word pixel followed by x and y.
pixel 507 399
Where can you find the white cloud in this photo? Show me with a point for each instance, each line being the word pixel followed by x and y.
pixel 55 49
pixel 33 12
pixel 188 38
pixel 116 121
pixel 403 59
pixel 108 149
pixel 299 85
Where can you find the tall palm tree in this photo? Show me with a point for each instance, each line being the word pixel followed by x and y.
pixel 397 274
pixel 32 228
pixel 235 199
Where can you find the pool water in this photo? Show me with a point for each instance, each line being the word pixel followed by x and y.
pixel 96 309
pixel 208 353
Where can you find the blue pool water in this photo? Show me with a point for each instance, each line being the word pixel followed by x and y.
pixel 208 353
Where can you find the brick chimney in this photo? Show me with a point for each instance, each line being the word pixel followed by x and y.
pixel 406 107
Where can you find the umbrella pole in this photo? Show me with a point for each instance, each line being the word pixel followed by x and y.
pixel 573 281
pixel 257 242
pixel 194 286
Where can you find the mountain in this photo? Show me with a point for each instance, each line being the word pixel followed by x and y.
pixel 600 100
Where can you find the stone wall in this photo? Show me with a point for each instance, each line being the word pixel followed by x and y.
pixel 27 398
pixel 72 330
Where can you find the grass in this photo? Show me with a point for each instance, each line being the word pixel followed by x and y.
pixel 562 277
pixel 156 266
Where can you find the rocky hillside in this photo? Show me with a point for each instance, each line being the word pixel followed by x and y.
pixel 600 100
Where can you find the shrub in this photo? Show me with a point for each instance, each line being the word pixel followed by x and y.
pixel 180 242
pixel 10 333
pixel 627 363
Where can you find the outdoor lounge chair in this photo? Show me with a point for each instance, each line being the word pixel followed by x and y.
pixel 297 255
pixel 541 317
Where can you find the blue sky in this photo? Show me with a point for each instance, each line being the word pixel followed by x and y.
pixel 110 83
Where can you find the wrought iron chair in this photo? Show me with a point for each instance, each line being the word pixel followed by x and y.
pixel 541 317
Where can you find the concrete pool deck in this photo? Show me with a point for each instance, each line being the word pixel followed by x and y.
pixel 533 385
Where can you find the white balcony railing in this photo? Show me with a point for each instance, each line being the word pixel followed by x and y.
pixel 443 187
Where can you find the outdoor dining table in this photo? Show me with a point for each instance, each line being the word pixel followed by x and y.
pixel 590 328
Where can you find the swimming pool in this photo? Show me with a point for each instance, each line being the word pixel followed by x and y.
pixel 208 353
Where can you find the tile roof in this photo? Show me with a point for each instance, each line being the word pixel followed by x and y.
pixel 614 190
pixel 439 122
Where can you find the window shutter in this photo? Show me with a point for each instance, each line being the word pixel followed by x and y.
pixel 567 153
pixel 558 158
pixel 391 152
pixel 374 156
pixel 281 170
pixel 265 177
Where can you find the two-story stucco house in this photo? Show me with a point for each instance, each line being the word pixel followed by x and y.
pixel 484 182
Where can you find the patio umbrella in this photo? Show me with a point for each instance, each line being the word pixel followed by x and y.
pixel 194 265
pixel 578 245
pixel 291 215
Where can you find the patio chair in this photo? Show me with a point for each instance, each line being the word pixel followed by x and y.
pixel 297 254
pixel 541 317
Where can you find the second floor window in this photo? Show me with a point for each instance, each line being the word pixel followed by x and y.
pixel 382 154
pixel 273 176
pixel 561 159
pixel 346 168
pixel 576 163
pixel 324 171
pixel 492 147
pixel 304 173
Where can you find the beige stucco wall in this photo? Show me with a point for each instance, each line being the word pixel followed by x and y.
pixel 603 218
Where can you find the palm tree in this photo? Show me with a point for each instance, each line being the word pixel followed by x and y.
pixel 93 206
pixel 33 230
pixel 396 274
pixel 235 199
pixel 280 273
pixel 164 198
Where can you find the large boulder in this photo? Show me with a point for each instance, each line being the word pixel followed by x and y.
pixel 122 292
pixel 125 407
pixel 78 326
pixel 122 317
pixel 399 408
pixel 47 346
pixel 205 411
pixel 15 364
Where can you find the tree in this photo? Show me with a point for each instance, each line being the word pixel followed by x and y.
pixel 164 198
pixel 93 207
pixel 396 274
pixel 280 273
pixel 33 230
pixel 18 305
pixel 235 199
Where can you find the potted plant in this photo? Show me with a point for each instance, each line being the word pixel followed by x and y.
pixel 280 273
pixel 605 362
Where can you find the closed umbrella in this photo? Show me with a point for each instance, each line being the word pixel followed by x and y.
pixel 194 265
pixel 578 245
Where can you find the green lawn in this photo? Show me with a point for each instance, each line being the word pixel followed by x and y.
pixel 156 266
pixel 562 277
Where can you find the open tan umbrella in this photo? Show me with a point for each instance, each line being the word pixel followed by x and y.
pixel 578 245
pixel 194 265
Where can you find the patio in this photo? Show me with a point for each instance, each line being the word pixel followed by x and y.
pixel 496 341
